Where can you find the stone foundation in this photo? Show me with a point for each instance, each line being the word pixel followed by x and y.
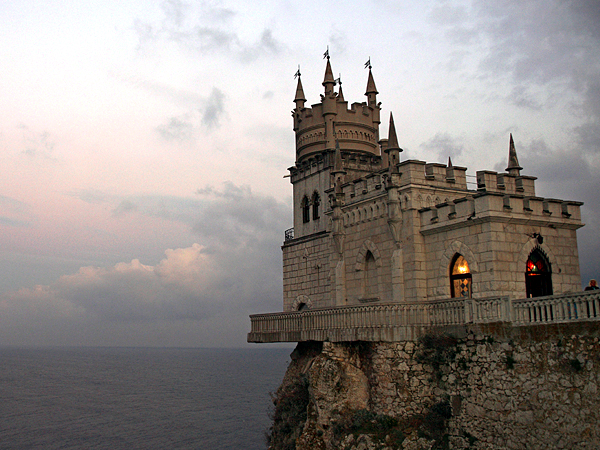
pixel 496 387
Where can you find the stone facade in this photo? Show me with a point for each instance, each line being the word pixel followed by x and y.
pixel 370 229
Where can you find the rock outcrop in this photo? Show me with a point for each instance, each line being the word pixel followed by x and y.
pixel 494 388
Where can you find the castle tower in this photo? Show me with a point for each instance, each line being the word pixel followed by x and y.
pixel 318 129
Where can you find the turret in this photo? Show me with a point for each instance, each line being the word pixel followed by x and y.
pixel 393 149
pixel 513 163
pixel 329 106
pixel 355 126
pixel 371 92
pixel 299 100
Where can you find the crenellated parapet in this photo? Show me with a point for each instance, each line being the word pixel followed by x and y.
pixel 483 206
pixel 356 129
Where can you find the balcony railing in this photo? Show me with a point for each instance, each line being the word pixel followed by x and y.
pixel 402 321
pixel 289 234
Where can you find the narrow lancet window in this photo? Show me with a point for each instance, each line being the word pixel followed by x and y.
pixel 460 277
pixel 315 205
pixel 305 206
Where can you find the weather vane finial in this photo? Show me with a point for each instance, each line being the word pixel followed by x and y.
pixel 326 54
pixel 297 74
pixel 338 80
pixel 368 64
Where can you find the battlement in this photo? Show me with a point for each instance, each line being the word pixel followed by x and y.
pixel 356 129
pixel 505 183
pixel 514 208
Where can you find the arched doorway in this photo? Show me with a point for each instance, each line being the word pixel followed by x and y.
pixel 538 275
pixel 460 277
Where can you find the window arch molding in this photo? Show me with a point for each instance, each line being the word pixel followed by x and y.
pixel 531 245
pixel 302 302
pixel 367 246
pixel 453 249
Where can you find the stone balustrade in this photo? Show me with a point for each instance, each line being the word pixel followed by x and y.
pixel 407 321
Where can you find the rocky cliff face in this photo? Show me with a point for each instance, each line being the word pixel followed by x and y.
pixel 494 388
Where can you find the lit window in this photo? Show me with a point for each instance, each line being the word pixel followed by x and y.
pixel 538 276
pixel 460 277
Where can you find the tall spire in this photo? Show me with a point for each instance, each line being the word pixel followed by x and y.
pixel 393 149
pixel 392 137
pixel 299 99
pixel 513 162
pixel 328 80
pixel 340 97
pixel 371 89
pixel 371 92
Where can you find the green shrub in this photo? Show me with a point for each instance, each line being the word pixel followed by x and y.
pixel 289 415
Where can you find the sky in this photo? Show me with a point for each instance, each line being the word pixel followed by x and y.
pixel 143 144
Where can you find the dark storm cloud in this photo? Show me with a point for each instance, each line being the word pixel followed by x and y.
pixel 546 55
pixel 234 269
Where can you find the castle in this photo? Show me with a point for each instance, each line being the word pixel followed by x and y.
pixel 381 248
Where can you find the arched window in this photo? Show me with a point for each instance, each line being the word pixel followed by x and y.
pixel 460 277
pixel 538 276
pixel 370 280
pixel 315 205
pixel 305 206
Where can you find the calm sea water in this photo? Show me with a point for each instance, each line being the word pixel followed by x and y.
pixel 137 398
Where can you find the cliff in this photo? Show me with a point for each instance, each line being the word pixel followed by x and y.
pixel 476 387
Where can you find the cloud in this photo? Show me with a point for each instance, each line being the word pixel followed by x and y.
pixel 14 213
pixel 213 109
pixel 205 28
pixel 177 129
pixel 445 146
pixel 38 145
pixel 233 270
pixel 206 114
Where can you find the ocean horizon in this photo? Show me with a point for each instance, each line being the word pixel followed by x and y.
pixel 137 397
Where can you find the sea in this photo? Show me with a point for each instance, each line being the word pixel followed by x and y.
pixel 137 398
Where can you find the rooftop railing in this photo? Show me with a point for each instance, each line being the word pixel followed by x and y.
pixel 407 321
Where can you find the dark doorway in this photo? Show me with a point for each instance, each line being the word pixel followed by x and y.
pixel 538 276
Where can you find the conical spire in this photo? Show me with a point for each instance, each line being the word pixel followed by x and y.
pixel 393 149
pixel 450 172
pixel 513 162
pixel 299 99
pixel 340 97
pixel 371 89
pixel 392 138
pixel 328 80
pixel 338 166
